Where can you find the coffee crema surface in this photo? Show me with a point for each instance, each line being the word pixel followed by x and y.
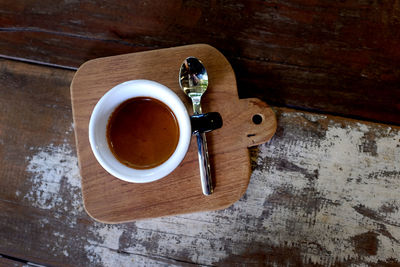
pixel 142 132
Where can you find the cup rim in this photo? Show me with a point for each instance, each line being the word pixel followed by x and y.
pixel 107 104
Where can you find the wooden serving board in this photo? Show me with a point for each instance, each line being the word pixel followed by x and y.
pixel 110 200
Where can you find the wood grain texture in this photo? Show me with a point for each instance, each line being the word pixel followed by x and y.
pixel 323 192
pixel 35 116
pixel 6 262
pixel 111 200
pixel 336 57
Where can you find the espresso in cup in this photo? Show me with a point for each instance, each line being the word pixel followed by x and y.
pixel 142 132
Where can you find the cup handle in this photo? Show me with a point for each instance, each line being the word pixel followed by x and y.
pixel 205 122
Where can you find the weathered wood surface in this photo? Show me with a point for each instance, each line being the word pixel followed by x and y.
pixel 323 191
pixel 340 57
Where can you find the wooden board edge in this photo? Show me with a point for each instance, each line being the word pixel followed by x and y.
pixel 259 121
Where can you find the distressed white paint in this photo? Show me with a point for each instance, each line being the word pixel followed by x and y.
pixel 54 169
pixel 44 221
pixel 337 158
pixel 106 251
pixel 55 185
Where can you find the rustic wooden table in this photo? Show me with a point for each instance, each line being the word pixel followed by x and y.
pixel 324 191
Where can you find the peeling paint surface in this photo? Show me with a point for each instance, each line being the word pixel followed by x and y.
pixel 54 172
pixel 323 191
pixel 330 192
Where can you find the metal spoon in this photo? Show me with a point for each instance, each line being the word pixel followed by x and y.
pixel 193 80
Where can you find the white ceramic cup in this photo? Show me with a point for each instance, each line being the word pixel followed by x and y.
pixel 103 110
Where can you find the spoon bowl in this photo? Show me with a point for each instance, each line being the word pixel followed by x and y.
pixel 193 77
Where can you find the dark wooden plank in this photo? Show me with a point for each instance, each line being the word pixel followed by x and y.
pixel 324 191
pixel 8 262
pixel 35 113
pixel 336 57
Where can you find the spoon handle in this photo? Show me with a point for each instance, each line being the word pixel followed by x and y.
pixel 204 164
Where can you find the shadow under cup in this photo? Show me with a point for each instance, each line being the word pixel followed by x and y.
pixel 153 98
